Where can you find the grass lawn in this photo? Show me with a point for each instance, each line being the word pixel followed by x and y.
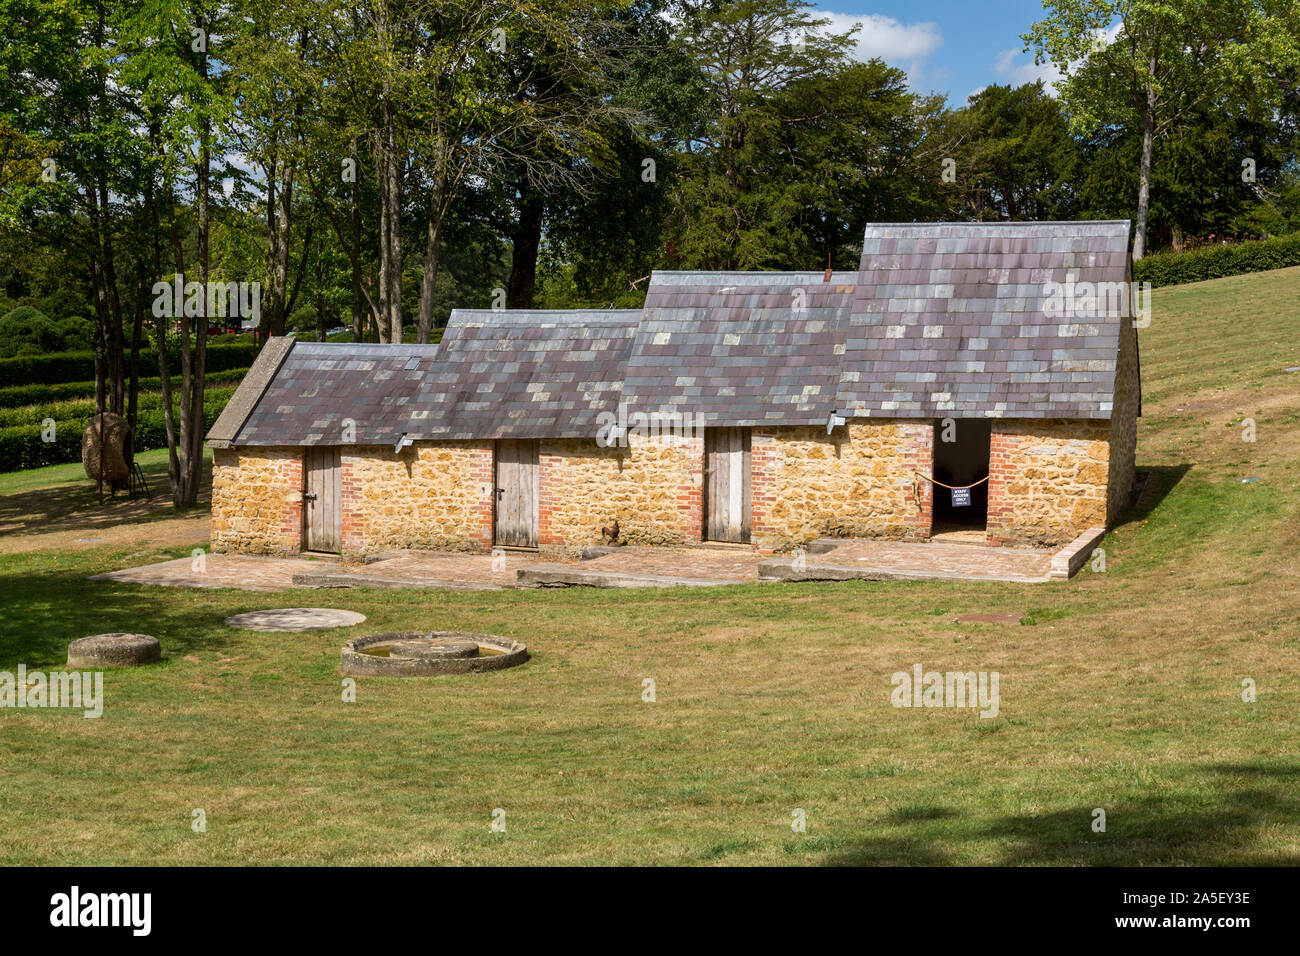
pixel 1124 693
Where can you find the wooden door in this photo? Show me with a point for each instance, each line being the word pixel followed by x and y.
pixel 726 478
pixel 322 501
pixel 516 493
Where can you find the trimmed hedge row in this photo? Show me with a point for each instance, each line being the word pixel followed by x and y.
pixel 1216 262
pixel 83 409
pixel 80 366
pixel 19 396
pixel 21 446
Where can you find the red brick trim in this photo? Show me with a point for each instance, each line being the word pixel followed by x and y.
pixel 918 456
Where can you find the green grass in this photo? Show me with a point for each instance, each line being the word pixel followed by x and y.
pixel 1122 691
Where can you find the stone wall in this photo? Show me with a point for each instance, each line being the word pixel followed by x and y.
pixel 1047 479
pixel 257 500
pixel 1123 423
pixel 431 496
pixel 651 487
pixel 856 482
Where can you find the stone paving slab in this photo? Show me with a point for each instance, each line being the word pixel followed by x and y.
pixel 566 575
pixel 462 570
pixel 869 560
pixel 247 572
pixel 345 579
pixel 295 619
pixel 725 565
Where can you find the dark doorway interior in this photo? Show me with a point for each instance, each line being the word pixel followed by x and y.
pixel 961 461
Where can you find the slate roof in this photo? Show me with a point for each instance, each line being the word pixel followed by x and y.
pixel 250 391
pixel 740 348
pixel 941 319
pixel 949 319
pixel 525 374
pixel 320 384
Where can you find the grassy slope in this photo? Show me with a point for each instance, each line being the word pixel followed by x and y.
pixel 1125 695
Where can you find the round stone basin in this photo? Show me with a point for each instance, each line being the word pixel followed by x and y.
pixel 427 654
pixel 427 647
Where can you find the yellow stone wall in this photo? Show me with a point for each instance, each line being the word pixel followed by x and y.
pixel 652 488
pixel 1048 479
pixel 857 482
pixel 432 496
pixel 257 500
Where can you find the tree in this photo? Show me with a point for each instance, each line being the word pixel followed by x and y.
pixel 725 211
pixel 1162 61
pixel 1017 159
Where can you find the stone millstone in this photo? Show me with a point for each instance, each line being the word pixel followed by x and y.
pixel 429 648
pixel 114 650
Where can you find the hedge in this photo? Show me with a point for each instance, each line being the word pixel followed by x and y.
pixel 18 396
pixel 21 446
pixel 83 409
pixel 1216 262
pixel 80 366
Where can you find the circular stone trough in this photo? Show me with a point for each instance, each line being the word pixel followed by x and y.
pixel 418 654
pixel 295 619
pixel 114 650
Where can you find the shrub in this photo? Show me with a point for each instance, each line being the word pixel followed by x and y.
pixel 16 396
pixel 29 331
pixel 83 409
pixel 21 445
pixel 80 366
pixel 1216 262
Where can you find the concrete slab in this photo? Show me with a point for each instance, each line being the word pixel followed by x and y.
pixel 1067 561
pixel 878 560
pixel 295 619
pixel 344 579
pixel 544 575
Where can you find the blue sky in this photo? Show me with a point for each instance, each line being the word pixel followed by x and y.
pixel 946 46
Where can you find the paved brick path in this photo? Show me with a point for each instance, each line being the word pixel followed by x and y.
pixel 953 561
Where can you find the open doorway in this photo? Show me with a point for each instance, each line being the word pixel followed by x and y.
pixel 961 458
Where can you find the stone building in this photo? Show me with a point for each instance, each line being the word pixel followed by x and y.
pixel 978 376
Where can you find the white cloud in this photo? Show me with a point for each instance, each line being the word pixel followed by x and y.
pixel 1017 72
pixel 904 45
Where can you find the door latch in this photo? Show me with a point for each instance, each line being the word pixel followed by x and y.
pixel 308 496
pixel 500 493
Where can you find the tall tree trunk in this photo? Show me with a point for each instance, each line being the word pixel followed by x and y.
pixel 1144 175
pixel 193 367
pixel 394 174
pixel 358 315
pixel 437 212
pixel 266 326
pixel 161 318
pixel 526 240
pixel 116 340
pixel 385 251
pixel 280 277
